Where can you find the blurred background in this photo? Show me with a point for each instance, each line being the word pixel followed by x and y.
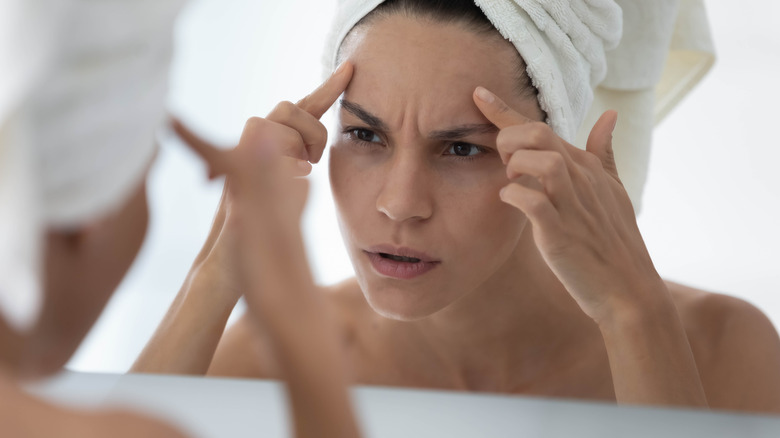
pixel 711 204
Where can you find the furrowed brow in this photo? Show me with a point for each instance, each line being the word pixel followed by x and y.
pixel 459 132
pixel 373 122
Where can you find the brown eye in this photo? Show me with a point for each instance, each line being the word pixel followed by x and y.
pixel 463 149
pixel 364 135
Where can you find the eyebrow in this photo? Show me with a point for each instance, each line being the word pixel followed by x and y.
pixel 458 132
pixel 453 133
pixel 361 113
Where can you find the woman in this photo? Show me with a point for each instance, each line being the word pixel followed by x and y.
pixel 490 254
pixel 76 143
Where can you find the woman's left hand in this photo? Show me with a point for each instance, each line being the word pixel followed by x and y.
pixel 582 218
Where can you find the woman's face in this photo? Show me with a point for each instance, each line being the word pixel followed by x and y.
pixel 415 172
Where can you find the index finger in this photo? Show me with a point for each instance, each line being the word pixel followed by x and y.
pixel 321 99
pixel 497 111
pixel 217 160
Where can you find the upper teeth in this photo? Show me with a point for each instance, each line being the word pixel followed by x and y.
pixel 401 258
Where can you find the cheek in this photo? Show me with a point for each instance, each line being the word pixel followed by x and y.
pixel 342 174
pixel 474 215
pixel 355 182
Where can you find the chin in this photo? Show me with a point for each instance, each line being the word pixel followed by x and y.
pixel 403 303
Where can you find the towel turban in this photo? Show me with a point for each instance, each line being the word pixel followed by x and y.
pixel 562 42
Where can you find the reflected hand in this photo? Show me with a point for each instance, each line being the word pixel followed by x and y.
pixel 265 201
pixel 296 132
pixel 583 221
pixel 257 226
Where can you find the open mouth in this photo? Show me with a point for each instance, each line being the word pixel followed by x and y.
pixel 387 262
pixel 399 258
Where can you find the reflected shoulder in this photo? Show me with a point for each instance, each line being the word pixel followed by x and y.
pixel 246 351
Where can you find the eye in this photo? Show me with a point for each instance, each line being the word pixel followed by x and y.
pixel 464 150
pixel 363 135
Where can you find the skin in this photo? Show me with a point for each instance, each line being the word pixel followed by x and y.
pixel 264 208
pixel 544 285
pixel 78 281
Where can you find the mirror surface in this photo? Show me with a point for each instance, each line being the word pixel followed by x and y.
pixel 710 204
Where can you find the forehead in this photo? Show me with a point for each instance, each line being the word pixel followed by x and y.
pixel 409 66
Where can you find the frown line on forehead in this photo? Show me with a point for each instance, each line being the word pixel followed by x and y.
pixel 450 133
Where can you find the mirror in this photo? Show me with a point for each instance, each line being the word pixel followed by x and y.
pixel 710 203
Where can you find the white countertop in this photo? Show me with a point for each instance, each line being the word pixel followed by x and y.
pixel 209 407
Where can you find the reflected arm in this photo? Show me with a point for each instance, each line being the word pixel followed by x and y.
pixel 188 335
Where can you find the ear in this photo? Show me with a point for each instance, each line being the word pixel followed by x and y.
pixel 600 142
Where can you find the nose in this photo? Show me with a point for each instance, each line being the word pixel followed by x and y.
pixel 405 195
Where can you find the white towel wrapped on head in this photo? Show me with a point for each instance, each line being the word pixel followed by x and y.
pixel 666 50
pixel 80 100
pixel 562 42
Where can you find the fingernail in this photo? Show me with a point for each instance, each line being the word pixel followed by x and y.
pixel 304 165
pixel 614 123
pixel 484 95
pixel 340 69
pixel 501 193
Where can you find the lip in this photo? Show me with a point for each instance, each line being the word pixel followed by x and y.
pixel 403 252
pixel 400 270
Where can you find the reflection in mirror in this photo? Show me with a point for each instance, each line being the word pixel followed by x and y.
pixel 455 287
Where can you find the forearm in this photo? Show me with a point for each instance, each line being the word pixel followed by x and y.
pixel 187 337
pixel 650 357
pixel 312 362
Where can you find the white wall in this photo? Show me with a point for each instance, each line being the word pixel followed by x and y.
pixel 711 203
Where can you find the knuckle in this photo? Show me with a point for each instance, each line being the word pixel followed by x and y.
pixel 321 133
pixel 283 111
pixel 504 139
pixel 555 164
pixel 509 139
pixel 536 205
pixel 290 138
pixel 538 132
pixel 254 125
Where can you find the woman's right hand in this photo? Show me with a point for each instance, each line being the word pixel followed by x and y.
pixel 264 202
pixel 295 129
pixel 187 338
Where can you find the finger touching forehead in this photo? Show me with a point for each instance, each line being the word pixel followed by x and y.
pixel 411 67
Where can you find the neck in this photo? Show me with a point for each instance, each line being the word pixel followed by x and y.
pixel 509 329
pixel 11 349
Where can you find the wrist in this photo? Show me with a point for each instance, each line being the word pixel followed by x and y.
pixel 208 285
pixel 651 305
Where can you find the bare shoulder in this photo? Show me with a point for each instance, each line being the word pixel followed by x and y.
pixel 736 347
pixel 245 351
